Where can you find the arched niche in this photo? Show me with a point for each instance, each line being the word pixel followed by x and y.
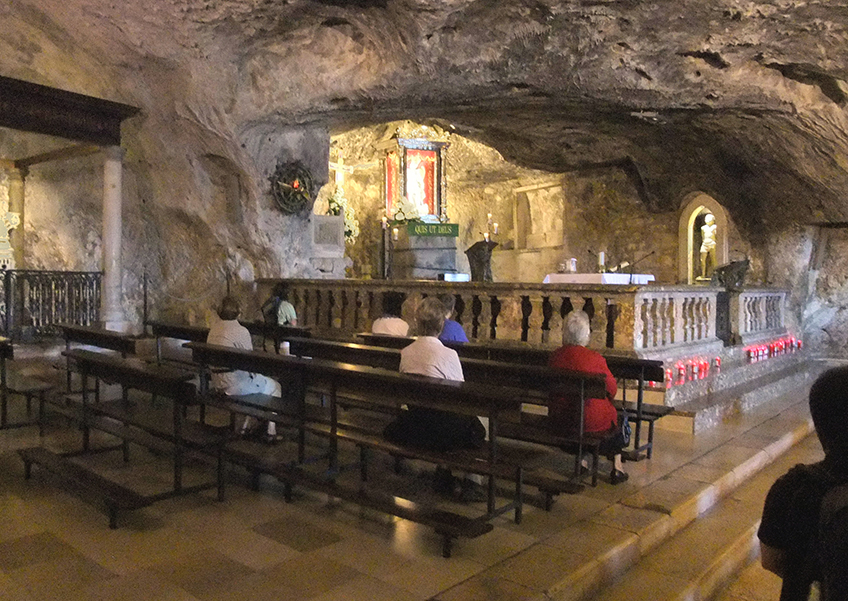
pixel 695 206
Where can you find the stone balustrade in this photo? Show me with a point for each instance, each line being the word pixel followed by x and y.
pixel 757 314
pixel 667 317
pixel 649 321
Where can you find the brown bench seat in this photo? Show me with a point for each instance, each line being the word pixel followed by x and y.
pixel 12 382
pixel 158 428
pixel 83 481
pixel 446 524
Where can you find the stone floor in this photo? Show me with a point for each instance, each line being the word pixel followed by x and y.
pixel 254 546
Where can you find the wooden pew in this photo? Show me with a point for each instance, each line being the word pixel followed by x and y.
pixel 120 342
pixel 155 428
pixel 383 388
pixel 623 368
pixel 536 383
pixel 161 330
pixel 15 383
pixel 275 332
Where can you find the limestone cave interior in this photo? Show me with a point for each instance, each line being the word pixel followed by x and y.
pixel 624 123
pixel 563 129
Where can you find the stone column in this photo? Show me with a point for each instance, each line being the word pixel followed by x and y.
pixel 16 205
pixel 111 311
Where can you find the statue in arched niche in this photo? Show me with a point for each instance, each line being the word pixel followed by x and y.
pixel 708 247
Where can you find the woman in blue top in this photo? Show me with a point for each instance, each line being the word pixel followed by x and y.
pixel 452 331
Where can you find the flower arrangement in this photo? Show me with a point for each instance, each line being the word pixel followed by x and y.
pixel 338 205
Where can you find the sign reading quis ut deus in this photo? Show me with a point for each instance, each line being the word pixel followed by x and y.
pixel 450 230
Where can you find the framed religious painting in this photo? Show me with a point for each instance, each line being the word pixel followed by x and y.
pixel 414 181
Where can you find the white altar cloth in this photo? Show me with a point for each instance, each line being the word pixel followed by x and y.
pixel 636 279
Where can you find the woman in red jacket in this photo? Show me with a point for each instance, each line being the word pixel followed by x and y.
pixel 599 414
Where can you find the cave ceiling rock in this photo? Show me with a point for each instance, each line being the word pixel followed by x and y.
pixel 550 84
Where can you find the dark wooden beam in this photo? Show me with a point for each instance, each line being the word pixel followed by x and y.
pixel 60 154
pixel 35 108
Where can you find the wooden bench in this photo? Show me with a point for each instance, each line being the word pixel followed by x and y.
pixel 162 330
pixel 15 383
pixel 384 388
pixel 485 372
pixel 623 368
pixel 160 429
pixel 275 332
pixel 91 485
pixel 537 384
pixel 119 342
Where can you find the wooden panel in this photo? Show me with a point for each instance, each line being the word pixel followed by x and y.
pixel 31 107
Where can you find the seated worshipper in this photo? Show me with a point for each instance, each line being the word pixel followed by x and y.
pixel 599 414
pixel 797 543
pixel 278 309
pixel 452 331
pixel 229 332
pixel 391 324
pixel 433 429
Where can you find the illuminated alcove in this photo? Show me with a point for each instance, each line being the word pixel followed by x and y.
pixel 539 219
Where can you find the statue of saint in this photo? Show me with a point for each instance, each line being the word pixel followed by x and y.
pixel 708 246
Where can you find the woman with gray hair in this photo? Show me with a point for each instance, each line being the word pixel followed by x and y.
pixel 599 414
pixel 434 429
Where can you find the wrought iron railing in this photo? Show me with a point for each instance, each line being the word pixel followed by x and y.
pixel 33 302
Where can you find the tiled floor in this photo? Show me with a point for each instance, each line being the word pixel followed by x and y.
pixel 256 547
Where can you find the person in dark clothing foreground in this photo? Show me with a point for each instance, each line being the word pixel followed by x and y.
pixel 789 533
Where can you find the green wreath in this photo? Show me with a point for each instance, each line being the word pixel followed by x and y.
pixel 291 187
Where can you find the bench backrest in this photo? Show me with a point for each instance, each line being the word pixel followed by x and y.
pixel 107 339
pixel 372 382
pixel 537 378
pixel 161 329
pixel 630 368
pixel 346 352
pixel 131 373
pixel 275 332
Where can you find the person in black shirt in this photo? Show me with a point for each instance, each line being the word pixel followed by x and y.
pixel 789 529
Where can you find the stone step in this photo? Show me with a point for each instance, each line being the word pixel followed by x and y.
pixel 610 529
pixel 708 554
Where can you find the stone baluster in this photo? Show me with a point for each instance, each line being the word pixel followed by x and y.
pixel 349 310
pixel 703 313
pixel 695 305
pixel 336 304
pixel 691 317
pixel 467 316
pixel 556 320
pixel 495 309
pixel 368 300
pixel 711 309
pixel 356 302
pixel 510 318
pixel 535 319
pixel 295 298
pixel 640 324
pixel 484 329
pixel 664 321
pixel 687 320
pixel 655 334
pixel 303 305
pixel 323 313
pixel 749 314
pixel 625 322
